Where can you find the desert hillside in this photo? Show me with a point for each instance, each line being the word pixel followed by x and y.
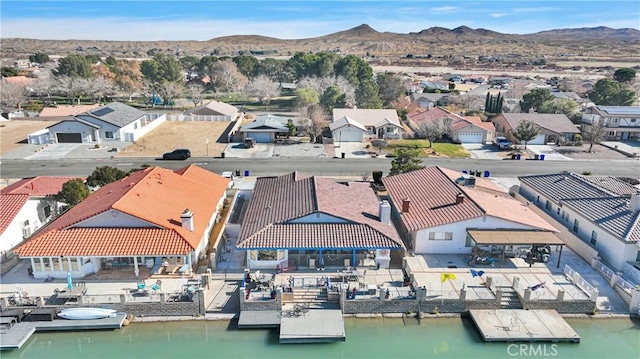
pixel 600 43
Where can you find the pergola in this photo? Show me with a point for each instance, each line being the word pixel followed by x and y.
pixel 514 238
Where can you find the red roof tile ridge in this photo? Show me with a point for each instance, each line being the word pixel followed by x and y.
pixel 462 190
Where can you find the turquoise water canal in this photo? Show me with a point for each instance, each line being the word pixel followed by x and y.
pixel 366 338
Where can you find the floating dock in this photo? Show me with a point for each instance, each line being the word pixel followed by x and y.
pixel 15 337
pixel 519 325
pixel 312 326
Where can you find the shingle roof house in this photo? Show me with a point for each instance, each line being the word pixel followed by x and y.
pixel 466 129
pixel 603 211
pixel 552 126
pixel 435 208
pixel 217 108
pixel 152 213
pixel 379 123
pixel 27 205
pixel 295 212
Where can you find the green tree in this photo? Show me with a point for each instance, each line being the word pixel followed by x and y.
pixel 246 64
pixel 39 57
pixel 564 106
pixel 9 71
pixel 306 97
pixel 390 88
pixel 607 92
pixel 105 175
pixel 526 131
pixel 624 75
pixel 535 98
pixel 74 66
pixel 367 95
pixel 162 68
pixel 190 65
pixel 406 160
pixel 292 128
pixel 275 69
pixel 331 98
pixel 354 69
pixel 73 192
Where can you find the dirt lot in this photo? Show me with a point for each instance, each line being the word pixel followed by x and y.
pixel 173 134
pixel 598 152
pixel 12 132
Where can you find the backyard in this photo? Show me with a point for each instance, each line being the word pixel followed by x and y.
pixel 15 131
pixel 439 149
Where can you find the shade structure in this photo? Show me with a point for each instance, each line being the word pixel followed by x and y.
pixel 506 237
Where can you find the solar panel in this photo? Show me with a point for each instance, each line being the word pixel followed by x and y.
pixel 102 111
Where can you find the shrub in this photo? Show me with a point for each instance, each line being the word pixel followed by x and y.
pixel 587 173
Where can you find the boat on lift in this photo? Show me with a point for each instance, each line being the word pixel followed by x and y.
pixel 87 313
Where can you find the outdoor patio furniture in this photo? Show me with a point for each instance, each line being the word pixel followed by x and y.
pixel 157 286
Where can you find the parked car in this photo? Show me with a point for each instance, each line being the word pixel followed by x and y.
pixel 502 143
pixel 178 154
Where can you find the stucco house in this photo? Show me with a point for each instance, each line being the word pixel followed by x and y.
pixel 438 211
pixel 296 220
pixel 265 128
pixel 220 110
pixel 26 206
pixel 378 123
pixel 553 127
pixel 603 211
pixel 112 122
pixel 466 129
pixel 620 122
pixel 151 216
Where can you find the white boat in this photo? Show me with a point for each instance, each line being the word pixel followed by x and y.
pixel 87 313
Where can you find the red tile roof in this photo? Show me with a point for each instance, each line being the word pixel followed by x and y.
pixel 40 186
pixel 155 195
pixel 433 191
pixel 280 200
pixel 10 205
pixel 108 242
pixel 423 115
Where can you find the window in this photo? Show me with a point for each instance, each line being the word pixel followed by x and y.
pixel 614 120
pixel 108 134
pixel 26 229
pixel 594 238
pixel 469 242
pixel 576 225
pixel 548 205
pixel 135 125
pixel 47 211
pixel 638 257
pixel 440 236
pixel 558 211
pixel 267 255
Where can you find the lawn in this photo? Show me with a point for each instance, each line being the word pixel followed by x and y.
pixel 439 149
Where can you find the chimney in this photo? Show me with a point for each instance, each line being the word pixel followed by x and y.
pixel 460 198
pixel 385 212
pixel 187 219
pixel 634 202
pixel 405 205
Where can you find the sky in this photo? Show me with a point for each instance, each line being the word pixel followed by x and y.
pixel 203 20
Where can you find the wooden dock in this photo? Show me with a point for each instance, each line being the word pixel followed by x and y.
pixel 21 332
pixel 310 326
pixel 519 325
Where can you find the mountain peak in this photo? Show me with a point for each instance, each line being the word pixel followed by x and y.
pixel 363 29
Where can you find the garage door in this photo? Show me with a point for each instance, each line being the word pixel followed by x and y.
pixel 347 135
pixel 537 141
pixel 69 137
pixel 470 137
pixel 260 137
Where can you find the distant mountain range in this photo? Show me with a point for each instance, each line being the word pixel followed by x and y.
pixel 586 43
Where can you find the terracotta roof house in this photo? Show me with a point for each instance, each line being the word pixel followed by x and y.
pixel 379 123
pixel 220 110
pixel 437 207
pixel 66 110
pixel 265 128
pixel 310 221
pixel 620 122
pixel 603 211
pixel 466 129
pixel 152 214
pixel 112 122
pixel 27 205
pixel 552 126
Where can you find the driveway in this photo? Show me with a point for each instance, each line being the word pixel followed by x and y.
pixel 483 151
pixel 260 150
pixel 299 150
pixel 549 152
pixel 351 149
pixel 54 151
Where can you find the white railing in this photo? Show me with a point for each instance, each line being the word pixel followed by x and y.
pixel 626 286
pixel 187 117
pixel 580 282
pixel 603 269
pixel 569 272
